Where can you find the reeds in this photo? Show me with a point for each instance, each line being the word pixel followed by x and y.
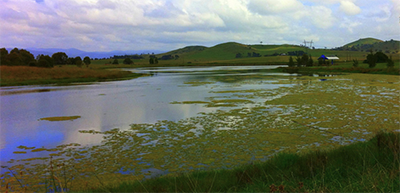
pixel 360 167
pixel 24 75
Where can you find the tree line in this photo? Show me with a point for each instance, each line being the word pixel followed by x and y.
pixel 304 60
pixel 371 59
pixel 21 57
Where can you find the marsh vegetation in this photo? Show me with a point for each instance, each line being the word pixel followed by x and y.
pixel 241 117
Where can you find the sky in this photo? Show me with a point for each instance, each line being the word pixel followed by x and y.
pixel 107 25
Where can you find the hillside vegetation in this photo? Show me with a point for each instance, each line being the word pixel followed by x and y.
pixel 364 41
pixel 237 53
pixel 368 44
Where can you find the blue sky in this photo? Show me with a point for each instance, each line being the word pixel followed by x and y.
pixel 106 25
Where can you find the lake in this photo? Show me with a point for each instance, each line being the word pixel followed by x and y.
pixel 181 119
pixel 103 106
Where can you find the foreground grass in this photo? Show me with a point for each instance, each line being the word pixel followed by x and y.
pixel 360 167
pixel 24 75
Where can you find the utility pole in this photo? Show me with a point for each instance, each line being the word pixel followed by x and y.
pixel 310 44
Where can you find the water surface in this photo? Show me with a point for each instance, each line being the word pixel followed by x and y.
pixel 108 105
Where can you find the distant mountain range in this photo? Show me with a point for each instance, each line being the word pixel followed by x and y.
pixel 75 52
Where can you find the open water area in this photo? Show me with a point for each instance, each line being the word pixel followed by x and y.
pixel 102 106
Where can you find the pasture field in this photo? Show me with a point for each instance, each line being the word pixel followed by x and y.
pixel 225 54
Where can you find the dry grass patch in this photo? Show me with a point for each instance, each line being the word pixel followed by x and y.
pixel 24 75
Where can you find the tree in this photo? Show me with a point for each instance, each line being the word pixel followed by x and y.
pixel 381 57
pixel 60 58
pixel 176 57
pixel 26 57
pixel 127 61
pixel 371 60
pixel 71 61
pixel 78 61
pixel 15 50
pixel 390 63
pixel 151 60
pixel 87 61
pixel 310 61
pixel 355 63
pixel 304 60
pixel 14 59
pixel 115 61
pixel 298 60
pixel 45 61
pixel 238 55
pixel 291 63
pixel 3 52
pixel 32 63
pixel 320 61
pixel 3 57
pixel 155 60
pixel 256 54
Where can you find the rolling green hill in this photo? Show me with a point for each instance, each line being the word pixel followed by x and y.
pixel 363 41
pixel 368 44
pixel 228 51
pixel 186 50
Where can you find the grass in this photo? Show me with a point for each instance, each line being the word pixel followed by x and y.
pixel 359 167
pixel 228 51
pixel 364 41
pixel 225 54
pixel 345 68
pixel 24 75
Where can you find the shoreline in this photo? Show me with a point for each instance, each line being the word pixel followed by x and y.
pixel 43 76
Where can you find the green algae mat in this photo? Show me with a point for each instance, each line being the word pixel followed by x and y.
pixel 248 126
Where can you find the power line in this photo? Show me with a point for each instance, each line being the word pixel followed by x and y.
pixel 310 43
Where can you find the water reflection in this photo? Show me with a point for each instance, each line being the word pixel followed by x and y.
pixel 104 106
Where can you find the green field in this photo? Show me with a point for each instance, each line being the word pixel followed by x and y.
pixel 225 54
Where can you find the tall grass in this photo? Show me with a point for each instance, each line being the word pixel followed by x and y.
pixel 360 167
pixel 24 75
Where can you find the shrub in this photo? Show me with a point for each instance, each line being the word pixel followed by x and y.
pixel 390 63
pixel 355 63
pixel 128 61
pixel 291 62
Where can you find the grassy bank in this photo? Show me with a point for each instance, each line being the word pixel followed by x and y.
pixel 343 68
pixel 23 75
pixel 359 167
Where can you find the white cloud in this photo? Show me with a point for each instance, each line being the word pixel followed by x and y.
pixel 350 24
pixel 380 13
pixel 322 17
pixel 328 2
pixel 349 8
pixel 153 24
pixel 275 7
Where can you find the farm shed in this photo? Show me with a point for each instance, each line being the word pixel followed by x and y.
pixel 331 58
